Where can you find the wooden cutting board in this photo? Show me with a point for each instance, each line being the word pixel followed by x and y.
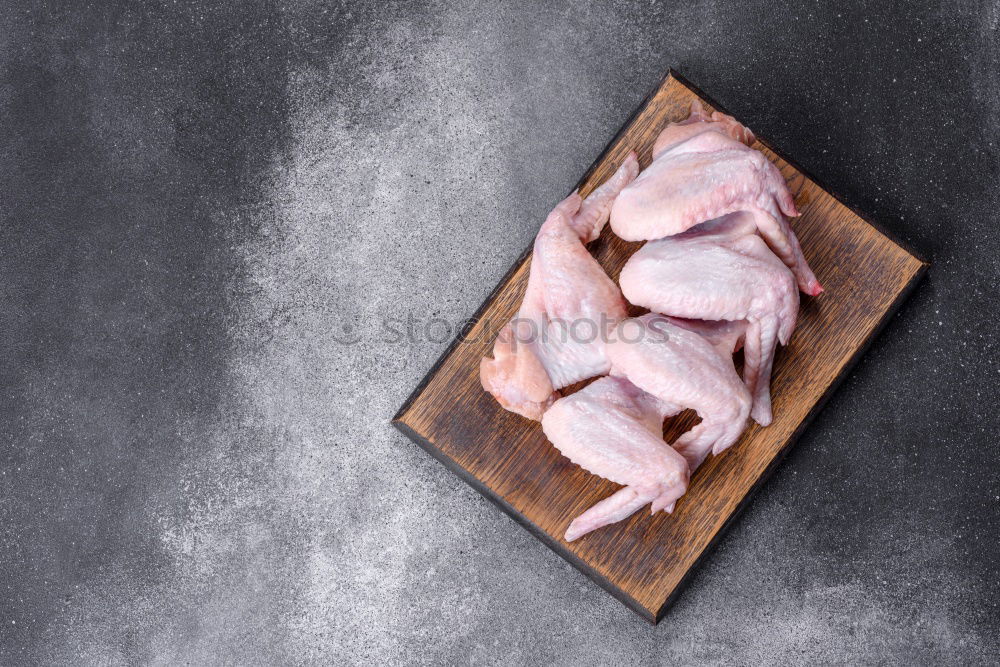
pixel 643 561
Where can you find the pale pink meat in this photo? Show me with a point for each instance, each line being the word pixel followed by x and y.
pixel 721 270
pixel 697 122
pixel 703 169
pixel 684 370
pixel 725 336
pixel 558 335
pixel 614 429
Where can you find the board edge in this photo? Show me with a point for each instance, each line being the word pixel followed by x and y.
pixel 526 523
pixel 776 461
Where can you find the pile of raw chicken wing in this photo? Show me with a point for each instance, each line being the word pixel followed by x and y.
pixel 722 270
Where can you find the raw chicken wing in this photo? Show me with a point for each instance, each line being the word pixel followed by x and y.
pixel 614 429
pixel 683 370
pixel 697 122
pixel 721 270
pixel 569 306
pixel 703 169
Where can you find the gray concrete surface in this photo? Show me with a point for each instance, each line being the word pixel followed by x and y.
pixel 196 460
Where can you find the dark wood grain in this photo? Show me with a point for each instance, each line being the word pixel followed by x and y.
pixel 644 560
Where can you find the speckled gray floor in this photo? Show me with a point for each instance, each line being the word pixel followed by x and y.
pixel 196 462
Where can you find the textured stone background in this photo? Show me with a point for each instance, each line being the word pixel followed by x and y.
pixel 196 198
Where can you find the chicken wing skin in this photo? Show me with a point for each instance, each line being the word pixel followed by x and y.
pixel 569 305
pixel 704 169
pixel 721 271
pixel 614 429
pixel 697 122
pixel 683 370
pixel 725 336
